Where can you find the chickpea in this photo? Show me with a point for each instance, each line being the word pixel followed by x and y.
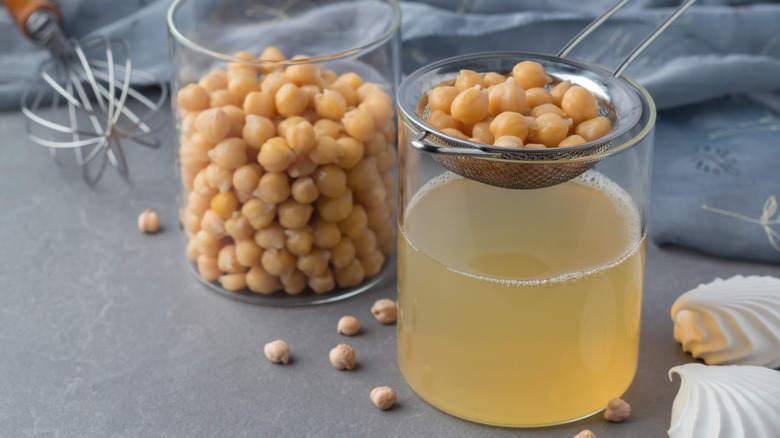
pixel 200 185
pixel 300 137
pixel 212 223
pixel 547 108
pixel 558 91
pixel 330 104
pixel 506 96
pixel 248 252
pixel 331 180
pixel 200 147
pixel 208 244
pixel 385 310
pixel 193 97
pixel 148 221
pixel 509 141
pixel 272 82
pixel 189 160
pixel 326 234
pixel 223 204
pixel 275 155
pixel 386 159
pixel 455 133
pixel 359 124
pixel 372 262
pixel 335 209
pixel 493 78
pixel 373 196
pixel 192 250
pixel 350 275
pixel 191 222
pixel 258 280
pixel 238 227
pixel 537 96
pixel 227 260
pixel 326 150
pixel 207 267
pixel 363 175
pixel 367 88
pixel 235 69
pixel 220 98
pixel 327 128
pixel 440 120
pixel 219 177
pixel 314 263
pixel 617 410
pixel 277 262
pixel 441 98
pixel 594 128
pixel 271 54
pixel 214 80
pixel 299 241
pixel 530 74
pixel 383 397
pixel 327 78
pixel 322 282
pixel 343 253
pixel 376 145
pixel 290 100
pixel 188 124
pixel 579 104
pixel 346 91
pixel 259 213
pixel 351 152
pixel 482 132
pixel 385 234
pixel 242 85
pixel 469 79
pixel 585 434
pixel 294 282
pixel 197 203
pixel 303 74
pixel 233 282
pixel 549 129
pixel 213 124
pixel 509 123
pixel 304 190
pixel 364 243
pixel 260 103
pixel 534 146
pixel 380 106
pixel 257 130
pixel 348 326
pixel 377 216
pixel 302 167
pixel 470 106
pixel 271 236
pixel 572 140
pixel 229 153
pixel 246 177
pixel 293 214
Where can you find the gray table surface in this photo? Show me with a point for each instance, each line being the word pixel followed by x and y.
pixel 104 331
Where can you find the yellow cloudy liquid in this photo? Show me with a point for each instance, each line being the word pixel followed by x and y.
pixel 520 308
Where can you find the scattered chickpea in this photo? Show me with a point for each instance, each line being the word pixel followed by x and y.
pixel 383 397
pixel 385 310
pixel 277 351
pixel 348 325
pixel 342 357
pixel 617 410
pixel 585 434
pixel 148 221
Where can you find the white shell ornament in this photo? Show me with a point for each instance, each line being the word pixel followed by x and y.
pixel 731 322
pixel 737 401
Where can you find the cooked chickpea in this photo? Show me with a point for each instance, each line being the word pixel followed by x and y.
pixel 271 54
pixel 326 234
pixel 373 196
pixel 303 74
pixel 506 96
pixel 148 221
pixel 534 146
pixel 441 98
pixel 242 85
pixel 214 80
pixel 372 262
pixel 220 98
pixel 277 262
pixel 376 145
pixel 260 103
pixel 509 141
pixel 481 131
pixel 558 91
pixel 327 128
pixel 470 106
pixel 227 261
pixel 191 222
pixel 335 209
pixel 386 159
pixel 213 124
pixel 257 130
pixel 330 104
pixel 594 128
pixel 219 177
pixel 350 275
pixel 304 190
pixel 455 133
pixel 212 223
pixel 192 250
pixel 537 96
pixel 327 78
pixel 314 263
pixel 248 252
pixel 469 79
pixel 271 236
pixel 233 282
pixel 200 147
pixel 547 108
pixel 299 241
pixel 366 89
pixel 197 203
pixel 300 137
pixel 377 216
pixel 208 244
pixel 385 310
pixel 304 166
pixel 207 267
pixel 322 282
pixel 380 106
pixel 493 78
pixel 294 282
pixel 246 177
pixel 346 91
pixel 193 97
pixel 363 175
pixel 509 123
pixel 331 180
pixel 530 74
pixel 275 155
pixel 200 185
pixel 258 280
pixel 290 100
pixel 224 204
pixel 259 213
pixel 351 152
pixel 440 120
pixel 272 82
pixel 348 326
pixel 585 434
pixel 364 243
pixel 572 140
pixel 326 150
pixel 229 153
pixel 359 124
pixel 343 253
pixel 579 104
pixel 549 129
pixel 293 214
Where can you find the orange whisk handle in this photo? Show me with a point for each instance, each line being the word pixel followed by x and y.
pixel 20 11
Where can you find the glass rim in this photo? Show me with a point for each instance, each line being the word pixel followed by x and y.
pixel 174 31
pixel 412 120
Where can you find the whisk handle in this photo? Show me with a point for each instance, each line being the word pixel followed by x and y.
pixel 20 11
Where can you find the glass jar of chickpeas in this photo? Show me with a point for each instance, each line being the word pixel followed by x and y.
pixel 286 141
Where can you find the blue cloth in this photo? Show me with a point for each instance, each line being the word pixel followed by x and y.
pixel 714 74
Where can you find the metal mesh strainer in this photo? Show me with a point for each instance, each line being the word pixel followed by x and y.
pixel 619 99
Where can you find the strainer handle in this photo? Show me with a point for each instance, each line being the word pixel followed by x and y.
pixel 419 143
pixel 590 28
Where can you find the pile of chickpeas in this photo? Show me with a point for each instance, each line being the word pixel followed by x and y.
pixel 288 176
pixel 520 110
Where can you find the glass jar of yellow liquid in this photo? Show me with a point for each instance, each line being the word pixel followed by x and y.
pixel 518 307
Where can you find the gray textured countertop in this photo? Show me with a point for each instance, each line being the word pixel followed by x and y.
pixel 104 331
